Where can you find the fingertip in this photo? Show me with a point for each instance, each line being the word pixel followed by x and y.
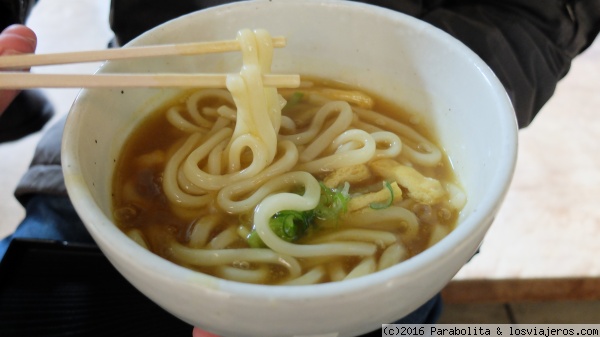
pixel 18 38
pixel 21 30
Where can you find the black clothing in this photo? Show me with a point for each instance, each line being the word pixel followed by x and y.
pixel 14 11
pixel 27 114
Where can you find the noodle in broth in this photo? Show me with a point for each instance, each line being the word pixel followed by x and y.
pixel 251 184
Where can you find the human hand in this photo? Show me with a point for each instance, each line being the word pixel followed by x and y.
pixel 201 333
pixel 15 39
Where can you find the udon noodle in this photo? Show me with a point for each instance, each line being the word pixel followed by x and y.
pixel 317 184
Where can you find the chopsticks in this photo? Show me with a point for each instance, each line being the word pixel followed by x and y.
pixel 21 80
pixel 25 80
pixel 30 60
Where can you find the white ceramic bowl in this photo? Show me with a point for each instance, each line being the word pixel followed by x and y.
pixel 404 59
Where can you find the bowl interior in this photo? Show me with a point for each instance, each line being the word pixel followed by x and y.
pixel 402 59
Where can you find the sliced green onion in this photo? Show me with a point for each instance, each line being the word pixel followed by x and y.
pixel 294 99
pixel 383 205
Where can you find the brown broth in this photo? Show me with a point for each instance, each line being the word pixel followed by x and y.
pixel 139 202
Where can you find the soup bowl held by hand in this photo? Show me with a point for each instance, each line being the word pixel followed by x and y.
pixel 398 57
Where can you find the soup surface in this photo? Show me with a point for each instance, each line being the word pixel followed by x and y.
pixel 351 184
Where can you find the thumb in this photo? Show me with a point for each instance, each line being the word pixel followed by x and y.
pixel 15 39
